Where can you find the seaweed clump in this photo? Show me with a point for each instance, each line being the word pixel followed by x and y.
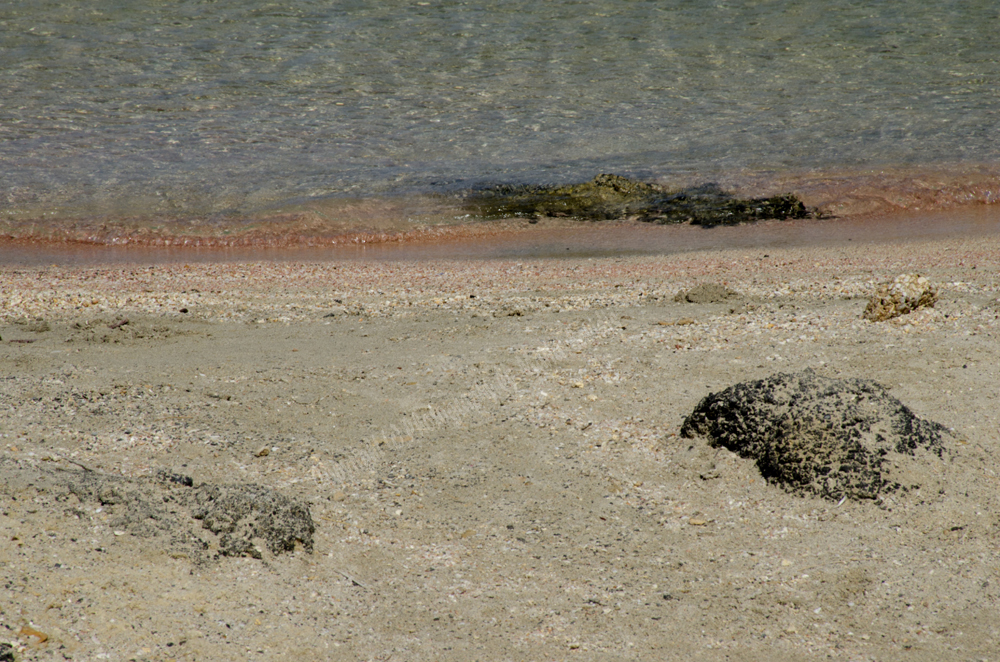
pixel 610 197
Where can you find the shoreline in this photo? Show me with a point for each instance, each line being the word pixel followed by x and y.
pixel 340 224
pixel 490 452
pixel 528 239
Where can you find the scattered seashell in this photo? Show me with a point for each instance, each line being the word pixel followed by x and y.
pixel 28 631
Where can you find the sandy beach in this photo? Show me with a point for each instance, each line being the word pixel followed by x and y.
pixel 490 455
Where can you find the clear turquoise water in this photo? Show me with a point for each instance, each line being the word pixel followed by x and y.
pixel 195 108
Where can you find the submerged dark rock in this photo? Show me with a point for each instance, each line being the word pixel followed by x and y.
pixel 608 197
pixel 810 434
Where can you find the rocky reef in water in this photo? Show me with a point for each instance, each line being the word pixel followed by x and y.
pixel 609 197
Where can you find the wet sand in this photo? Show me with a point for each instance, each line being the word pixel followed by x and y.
pixel 544 238
pixel 490 452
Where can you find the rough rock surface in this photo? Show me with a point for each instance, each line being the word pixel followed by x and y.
pixel 906 293
pixel 240 516
pixel 615 197
pixel 811 434
pixel 706 293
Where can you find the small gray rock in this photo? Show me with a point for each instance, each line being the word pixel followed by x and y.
pixel 170 505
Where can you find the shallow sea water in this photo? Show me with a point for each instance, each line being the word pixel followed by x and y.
pixel 293 123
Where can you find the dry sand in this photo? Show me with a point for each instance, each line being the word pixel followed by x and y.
pixel 490 454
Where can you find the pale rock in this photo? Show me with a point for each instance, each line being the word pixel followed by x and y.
pixel 906 293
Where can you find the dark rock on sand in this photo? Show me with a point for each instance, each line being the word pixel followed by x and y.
pixel 609 197
pixel 240 513
pixel 810 434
